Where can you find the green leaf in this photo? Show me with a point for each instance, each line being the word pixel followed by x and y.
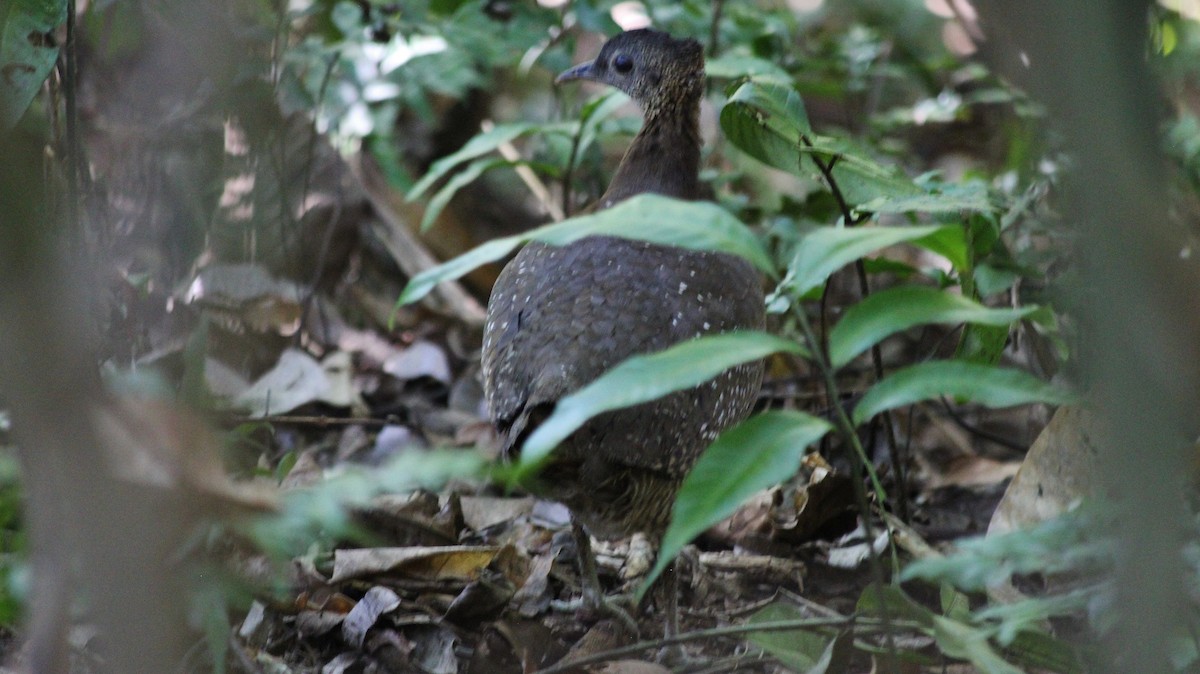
pixel 971 196
pixel 959 640
pixel 751 456
pixel 454 184
pixel 696 225
pixel 983 384
pixel 951 243
pixel 1037 649
pixel 732 66
pixel 26 55
pixel 983 344
pixel 903 307
pixel 799 649
pixel 860 178
pixel 827 249
pixel 476 147
pixel 644 378
pixel 892 601
pixel 595 112
pixel 766 120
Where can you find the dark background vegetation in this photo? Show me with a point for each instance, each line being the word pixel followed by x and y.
pixel 231 417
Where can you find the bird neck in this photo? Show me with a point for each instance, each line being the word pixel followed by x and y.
pixel 664 157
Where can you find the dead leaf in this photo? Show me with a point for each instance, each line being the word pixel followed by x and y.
pixel 163 446
pixel 306 472
pixel 1057 473
pixel 973 471
pixel 421 359
pixel 298 379
pixel 316 623
pixel 247 296
pixel 462 562
pixel 481 512
pixel 411 520
pixel 481 599
pixel 534 596
pixel 377 602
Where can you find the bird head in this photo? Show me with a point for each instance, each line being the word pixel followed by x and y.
pixel 649 65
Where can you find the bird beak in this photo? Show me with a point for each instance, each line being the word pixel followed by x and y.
pixel 583 71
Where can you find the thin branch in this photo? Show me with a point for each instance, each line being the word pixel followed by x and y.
pixel 864 288
pixel 714 633
pixel 859 464
pixel 714 28
pixel 301 420
pixel 845 427
pixel 569 174
pixel 535 184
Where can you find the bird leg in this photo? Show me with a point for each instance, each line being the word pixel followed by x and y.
pixel 593 594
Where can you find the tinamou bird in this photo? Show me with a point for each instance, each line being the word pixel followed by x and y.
pixel 561 316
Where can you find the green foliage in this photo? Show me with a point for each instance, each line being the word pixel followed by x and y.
pixel 863 207
pixel 984 384
pixel 741 461
pixel 322 512
pixel 903 307
pixel 649 217
pixel 827 249
pixel 641 379
pixel 973 638
pixel 14 568
pixel 27 52
pixel 800 650
pixel 846 201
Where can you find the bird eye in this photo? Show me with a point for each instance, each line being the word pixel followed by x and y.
pixel 622 63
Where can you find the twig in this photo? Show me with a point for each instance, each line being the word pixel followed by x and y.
pixel 858 456
pixel 702 635
pixel 410 254
pixel 714 28
pixel 975 430
pixel 74 170
pixel 734 663
pixel 535 184
pixel 864 288
pixel 569 174
pixel 302 420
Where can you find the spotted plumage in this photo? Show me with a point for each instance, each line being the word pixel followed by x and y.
pixel 561 316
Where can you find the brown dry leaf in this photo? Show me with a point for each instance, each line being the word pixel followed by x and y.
pixel 298 379
pixel 421 359
pixel 244 296
pixel 481 512
pixel 628 667
pixel 416 519
pixel 1058 471
pixel 534 596
pixel 453 562
pixel 316 623
pixel 516 646
pixel 156 444
pixel 377 602
pixel 603 636
pixel 973 471
pixel 481 599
